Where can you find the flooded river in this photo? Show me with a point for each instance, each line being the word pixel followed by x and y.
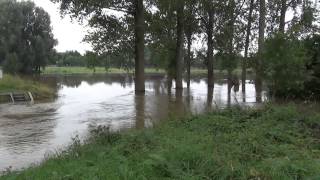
pixel 28 133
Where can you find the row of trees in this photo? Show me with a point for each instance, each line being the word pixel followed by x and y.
pixel 26 39
pixel 229 29
pixel 284 52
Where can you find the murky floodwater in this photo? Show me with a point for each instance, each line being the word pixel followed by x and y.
pixel 29 132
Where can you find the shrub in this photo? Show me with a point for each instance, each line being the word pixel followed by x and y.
pixel 284 69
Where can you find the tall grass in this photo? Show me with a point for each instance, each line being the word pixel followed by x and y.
pixel 15 83
pixel 276 142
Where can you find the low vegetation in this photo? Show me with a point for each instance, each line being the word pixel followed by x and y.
pixel 54 70
pixel 275 142
pixel 16 84
pixel 98 70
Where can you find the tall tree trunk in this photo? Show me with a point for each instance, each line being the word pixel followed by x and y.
pixel 246 49
pixel 210 48
pixel 262 26
pixel 283 12
pixel 231 36
pixel 180 43
pixel 139 46
pixel 189 59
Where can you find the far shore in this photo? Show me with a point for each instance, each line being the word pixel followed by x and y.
pixel 54 70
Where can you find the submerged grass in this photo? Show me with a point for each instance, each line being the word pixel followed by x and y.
pixel 16 84
pixel 276 142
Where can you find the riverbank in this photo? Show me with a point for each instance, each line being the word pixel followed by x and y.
pixel 84 70
pixel 11 83
pixel 275 142
pixel 52 70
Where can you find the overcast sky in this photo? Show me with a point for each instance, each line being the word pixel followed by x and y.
pixel 68 33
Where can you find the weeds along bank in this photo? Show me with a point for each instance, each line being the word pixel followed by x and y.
pixel 11 83
pixel 276 142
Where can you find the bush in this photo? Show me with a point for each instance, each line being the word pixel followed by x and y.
pixel 284 66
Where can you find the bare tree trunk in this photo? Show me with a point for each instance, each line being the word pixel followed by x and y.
pixel 180 43
pixel 189 60
pixel 246 49
pixel 140 111
pixel 209 98
pixel 139 46
pixel 262 25
pixel 283 12
pixel 210 49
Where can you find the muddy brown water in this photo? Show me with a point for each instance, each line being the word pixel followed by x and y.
pixel 29 133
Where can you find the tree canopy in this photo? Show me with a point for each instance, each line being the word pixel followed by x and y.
pixel 26 39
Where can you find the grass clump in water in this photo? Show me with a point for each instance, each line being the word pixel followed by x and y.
pixel 11 83
pixel 277 142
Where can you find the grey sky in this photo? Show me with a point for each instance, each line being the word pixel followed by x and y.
pixel 69 34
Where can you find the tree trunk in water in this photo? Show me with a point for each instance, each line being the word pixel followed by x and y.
pixel 246 49
pixel 180 43
pixel 210 49
pixel 262 25
pixel 189 60
pixel 140 111
pixel 209 98
pixel 283 12
pixel 139 46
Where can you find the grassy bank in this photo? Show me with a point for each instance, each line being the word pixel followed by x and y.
pixel 277 142
pixel 101 70
pixel 16 84
pixel 85 70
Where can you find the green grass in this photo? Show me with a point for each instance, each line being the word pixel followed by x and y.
pixel 85 70
pixel 276 142
pixel 16 84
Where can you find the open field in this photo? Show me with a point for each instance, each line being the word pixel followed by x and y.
pixel 85 70
pixel 100 70
pixel 275 142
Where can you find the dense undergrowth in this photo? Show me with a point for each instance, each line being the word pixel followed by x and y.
pixel 275 142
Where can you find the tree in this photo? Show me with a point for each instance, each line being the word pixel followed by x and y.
pixel 25 36
pixel 92 60
pixel 246 49
pixel 312 47
pixel 191 26
pixel 207 16
pixel 262 25
pixel 113 32
pixel 180 43
pixel 284 65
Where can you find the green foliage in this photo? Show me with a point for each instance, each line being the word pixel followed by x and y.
pixel 11 64
pixel 70 58
pixel 276 142
pixel 26 39
pixel 92 60
pixel 284 65
pixel 227 61
pixel 312 85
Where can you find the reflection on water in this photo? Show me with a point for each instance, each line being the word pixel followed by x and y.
pixel 28 133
